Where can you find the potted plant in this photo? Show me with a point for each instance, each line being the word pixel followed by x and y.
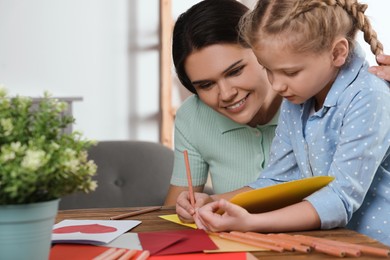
pixel 39 163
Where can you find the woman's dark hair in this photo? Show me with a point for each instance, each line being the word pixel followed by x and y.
pixel 207 23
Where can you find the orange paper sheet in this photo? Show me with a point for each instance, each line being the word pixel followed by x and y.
pixel 225 245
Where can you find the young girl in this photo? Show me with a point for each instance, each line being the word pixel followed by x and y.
pixel 228 125
pixel 335 120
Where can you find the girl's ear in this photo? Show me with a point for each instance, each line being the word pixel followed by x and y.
pixel 340 52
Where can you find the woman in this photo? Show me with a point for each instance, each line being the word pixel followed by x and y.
pixel 228 124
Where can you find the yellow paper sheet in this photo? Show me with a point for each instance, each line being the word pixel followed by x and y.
pixel 280 195
pixel 174 218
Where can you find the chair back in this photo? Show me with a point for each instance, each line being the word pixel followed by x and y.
pixel 129 174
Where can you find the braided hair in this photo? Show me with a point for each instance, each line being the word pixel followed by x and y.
pixel 308 25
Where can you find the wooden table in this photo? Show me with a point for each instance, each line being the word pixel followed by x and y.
pixel 151 222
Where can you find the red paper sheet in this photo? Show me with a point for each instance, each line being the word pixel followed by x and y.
pixel 76 252
pixel 192 241
pixel 202 256
pixel 156 242
pixel 85 252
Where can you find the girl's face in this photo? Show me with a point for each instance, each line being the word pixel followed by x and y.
pixel 296 76
pixel 228 78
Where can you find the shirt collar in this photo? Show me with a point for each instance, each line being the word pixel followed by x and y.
pixel 225 124
pixel 346 76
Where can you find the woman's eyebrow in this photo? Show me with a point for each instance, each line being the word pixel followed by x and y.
pixel 232 66
pixel 199 82
pixel 226 70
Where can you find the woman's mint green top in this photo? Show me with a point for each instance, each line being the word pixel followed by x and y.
pixel 233 154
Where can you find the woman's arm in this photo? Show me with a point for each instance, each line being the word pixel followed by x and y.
pixel 186 138
pixel 185 210
pixel 174 192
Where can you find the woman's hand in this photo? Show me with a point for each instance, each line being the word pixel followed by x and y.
pixel 184 209
pixel 382 71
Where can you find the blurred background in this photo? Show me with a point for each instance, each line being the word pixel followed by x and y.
pixel 105 54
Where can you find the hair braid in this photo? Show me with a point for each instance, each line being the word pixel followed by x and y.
pixel 306 6
pixel 356 10
pixel 309 25
pixel 353 8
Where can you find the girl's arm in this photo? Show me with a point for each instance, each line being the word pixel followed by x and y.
pixel 297 217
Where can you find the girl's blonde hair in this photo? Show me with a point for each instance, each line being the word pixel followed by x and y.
pixel 308 25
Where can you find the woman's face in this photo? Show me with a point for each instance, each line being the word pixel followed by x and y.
pixel 228 78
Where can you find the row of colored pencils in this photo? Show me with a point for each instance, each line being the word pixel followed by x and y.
pixel 122 254
pixel 306 244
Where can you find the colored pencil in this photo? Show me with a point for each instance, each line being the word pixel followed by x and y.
pixel 365 250
pixel 251 242
pixel 135 213
pixel 128 255
pixel 286 244
pixel 144 255
pixel 189 179
pixel 105 254
pixel 296 244
pixel 116 254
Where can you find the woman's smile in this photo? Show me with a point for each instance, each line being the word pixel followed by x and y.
pixel 239 106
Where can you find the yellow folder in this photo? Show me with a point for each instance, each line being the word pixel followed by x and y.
pixel 280 195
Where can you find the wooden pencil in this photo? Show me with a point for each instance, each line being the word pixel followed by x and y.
pixel 189 179
pixel 298 246
pixel 128 255
pixel 135 213
pixel 286 244
pixel 144 255
pixel 247 241
pixel 260 238
pixel 320 242
pixel 116 254
pixel 365 250
pixel 320 247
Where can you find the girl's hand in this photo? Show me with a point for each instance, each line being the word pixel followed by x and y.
pixel 234 217
pixel 382 71
pixel 184 209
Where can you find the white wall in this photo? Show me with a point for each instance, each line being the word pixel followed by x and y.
pixel 105 51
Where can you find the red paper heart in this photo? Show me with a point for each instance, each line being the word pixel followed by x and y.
pixel 88 229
